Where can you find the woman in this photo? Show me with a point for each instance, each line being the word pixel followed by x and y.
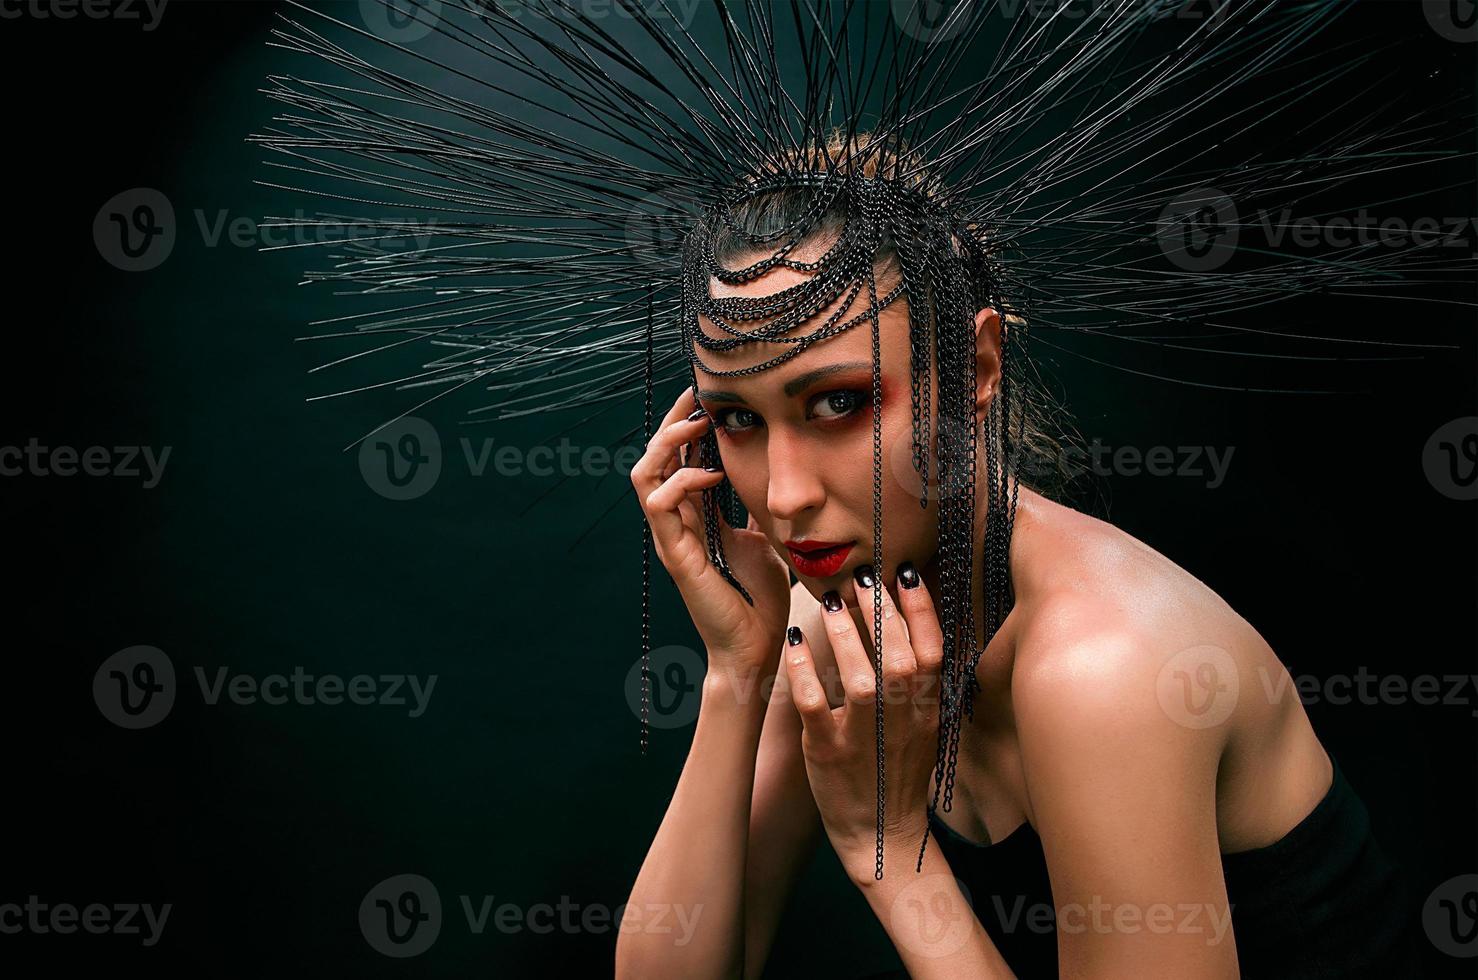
pixel 1125 773
pixel 1133 802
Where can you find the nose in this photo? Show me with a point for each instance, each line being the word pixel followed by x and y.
pixel 795 479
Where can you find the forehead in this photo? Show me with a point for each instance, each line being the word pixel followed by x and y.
pixel 851 345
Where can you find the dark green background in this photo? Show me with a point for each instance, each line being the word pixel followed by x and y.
pixel 264 549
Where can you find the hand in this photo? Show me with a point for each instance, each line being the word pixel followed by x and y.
pixel 738 636
pixel 840 744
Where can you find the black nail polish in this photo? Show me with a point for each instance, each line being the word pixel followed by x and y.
pixel 697 415
pixel 793 635
pixel 863 575
pixel 832 601
pixel 908 575
pixel 717 466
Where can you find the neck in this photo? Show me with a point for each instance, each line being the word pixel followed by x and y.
pixel 1028 512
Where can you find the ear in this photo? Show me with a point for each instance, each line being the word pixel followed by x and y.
pixel 987 357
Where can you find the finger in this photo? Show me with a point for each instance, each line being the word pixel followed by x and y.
pixel 685 455
pixel 680 425
pixel 657 468
pixel 899 667
pixel 692 511
pixel 663 508
pixel 692 516
pixel 806 691
pixel 917 607
pixel 853 665
pixel 666 451
pixel 687 509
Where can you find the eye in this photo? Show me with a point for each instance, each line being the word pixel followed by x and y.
pixel 829 405
pixel 840 404
pixel 722 418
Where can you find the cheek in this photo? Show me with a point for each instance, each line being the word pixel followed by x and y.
pixel 746 474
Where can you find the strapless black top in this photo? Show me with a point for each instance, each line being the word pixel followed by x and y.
pixel 1323 901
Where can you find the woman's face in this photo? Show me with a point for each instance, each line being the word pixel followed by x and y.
pixel 797 442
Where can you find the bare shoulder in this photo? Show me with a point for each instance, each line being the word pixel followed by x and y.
pixel 1113 629
pixel 1123 662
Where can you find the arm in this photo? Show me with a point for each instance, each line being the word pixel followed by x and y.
pixel 1125 802
pixel 927 918
pixel 702 861
pixel 785 826
pixel 693 870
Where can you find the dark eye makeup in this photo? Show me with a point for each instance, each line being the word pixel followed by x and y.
pixel 828 406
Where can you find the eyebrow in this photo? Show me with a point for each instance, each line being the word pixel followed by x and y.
pixel 795 385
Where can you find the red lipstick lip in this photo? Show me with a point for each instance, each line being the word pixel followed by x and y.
pixel 818 561
pixel 813 545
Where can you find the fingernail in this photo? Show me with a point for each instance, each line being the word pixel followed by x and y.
pixel 697 415
pixel 832 601
pixel 793 635
pixel 863 575
pixel 717 466
pixel 908 575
